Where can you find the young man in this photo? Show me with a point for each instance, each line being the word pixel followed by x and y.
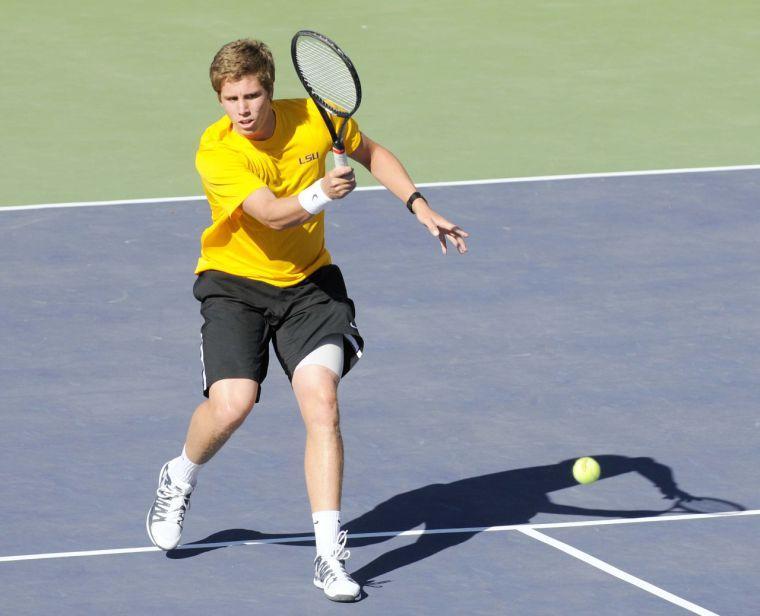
pixel 264 275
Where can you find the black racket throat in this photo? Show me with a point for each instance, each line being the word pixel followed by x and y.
pixel 335 135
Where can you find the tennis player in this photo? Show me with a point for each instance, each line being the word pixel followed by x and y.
pixel 264 275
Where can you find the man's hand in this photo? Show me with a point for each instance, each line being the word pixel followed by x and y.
pixel 338 182
pixel 440 227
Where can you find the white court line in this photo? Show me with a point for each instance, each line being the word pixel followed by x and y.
pixel 50 206
pixel 404 533
pixel 618 573
pixel 537 178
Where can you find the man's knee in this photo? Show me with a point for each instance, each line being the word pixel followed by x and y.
pixel 231 400
pixel 323 410
pixel 317 392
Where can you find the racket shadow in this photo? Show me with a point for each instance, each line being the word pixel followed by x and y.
pixel 508 497
pixel 504 498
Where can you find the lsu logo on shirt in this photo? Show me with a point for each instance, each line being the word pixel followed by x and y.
pixel 302 160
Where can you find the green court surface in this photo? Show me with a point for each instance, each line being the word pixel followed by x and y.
pixel 107 100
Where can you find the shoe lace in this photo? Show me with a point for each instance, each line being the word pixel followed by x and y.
pixel 331 567
pixel 339 550
pixel 172 503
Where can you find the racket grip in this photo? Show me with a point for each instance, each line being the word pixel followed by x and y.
pixel 341 160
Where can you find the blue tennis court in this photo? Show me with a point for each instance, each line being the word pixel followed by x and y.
pixel 610 316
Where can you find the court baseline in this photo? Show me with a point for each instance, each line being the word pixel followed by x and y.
pixel 538 178
pixel 407 533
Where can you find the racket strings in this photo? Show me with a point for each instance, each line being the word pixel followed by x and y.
pixel 326 74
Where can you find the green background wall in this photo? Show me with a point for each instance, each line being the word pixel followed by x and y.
pixel 107 100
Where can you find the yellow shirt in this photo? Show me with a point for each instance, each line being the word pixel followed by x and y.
pixel 232 167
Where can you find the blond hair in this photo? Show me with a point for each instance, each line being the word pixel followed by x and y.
pixel 243 58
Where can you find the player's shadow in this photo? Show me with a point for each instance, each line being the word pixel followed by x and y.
pixel 497 499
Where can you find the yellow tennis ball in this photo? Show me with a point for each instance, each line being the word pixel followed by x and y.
pixel 586 470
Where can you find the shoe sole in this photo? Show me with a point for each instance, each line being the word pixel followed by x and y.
pixel 337 598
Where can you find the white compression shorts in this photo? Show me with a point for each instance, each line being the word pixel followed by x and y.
pixel 329 354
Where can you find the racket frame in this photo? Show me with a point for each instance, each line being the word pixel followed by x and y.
pixel 323 106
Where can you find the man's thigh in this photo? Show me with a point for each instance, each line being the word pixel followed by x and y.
pixel 234 336
pixel 319 309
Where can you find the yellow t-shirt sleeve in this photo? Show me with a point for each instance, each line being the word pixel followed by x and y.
pixel 353 136
pixel 226 177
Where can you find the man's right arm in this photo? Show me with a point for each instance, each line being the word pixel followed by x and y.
pixel 287 212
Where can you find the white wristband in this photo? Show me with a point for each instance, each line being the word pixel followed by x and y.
pixel 313 199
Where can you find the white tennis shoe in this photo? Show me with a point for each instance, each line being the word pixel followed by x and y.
pixel 166 515
pixel 330 574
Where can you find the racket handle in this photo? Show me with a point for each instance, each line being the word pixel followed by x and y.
pixel 341 160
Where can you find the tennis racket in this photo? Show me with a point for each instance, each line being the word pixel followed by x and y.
pixel 329 77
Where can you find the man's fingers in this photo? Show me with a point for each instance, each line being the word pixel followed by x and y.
pixel 340 181
pixel 458 242
pixel 337 187
pixel 443 230
pixel 458 236
pixel 453 229
pixel 341 172
pixel 456 229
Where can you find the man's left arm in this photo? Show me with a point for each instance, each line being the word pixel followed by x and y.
pixel 389 171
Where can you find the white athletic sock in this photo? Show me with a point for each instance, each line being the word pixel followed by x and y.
pixel 183 469
pixel 326 529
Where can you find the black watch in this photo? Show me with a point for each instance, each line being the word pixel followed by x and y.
pixel 415 195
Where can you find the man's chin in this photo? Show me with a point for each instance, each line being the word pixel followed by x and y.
pixel 246 131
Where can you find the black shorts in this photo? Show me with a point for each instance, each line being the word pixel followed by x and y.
pixel 241 316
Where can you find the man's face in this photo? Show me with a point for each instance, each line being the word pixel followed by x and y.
pixel 248 105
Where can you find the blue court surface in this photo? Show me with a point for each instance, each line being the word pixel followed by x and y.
pixel 615 317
